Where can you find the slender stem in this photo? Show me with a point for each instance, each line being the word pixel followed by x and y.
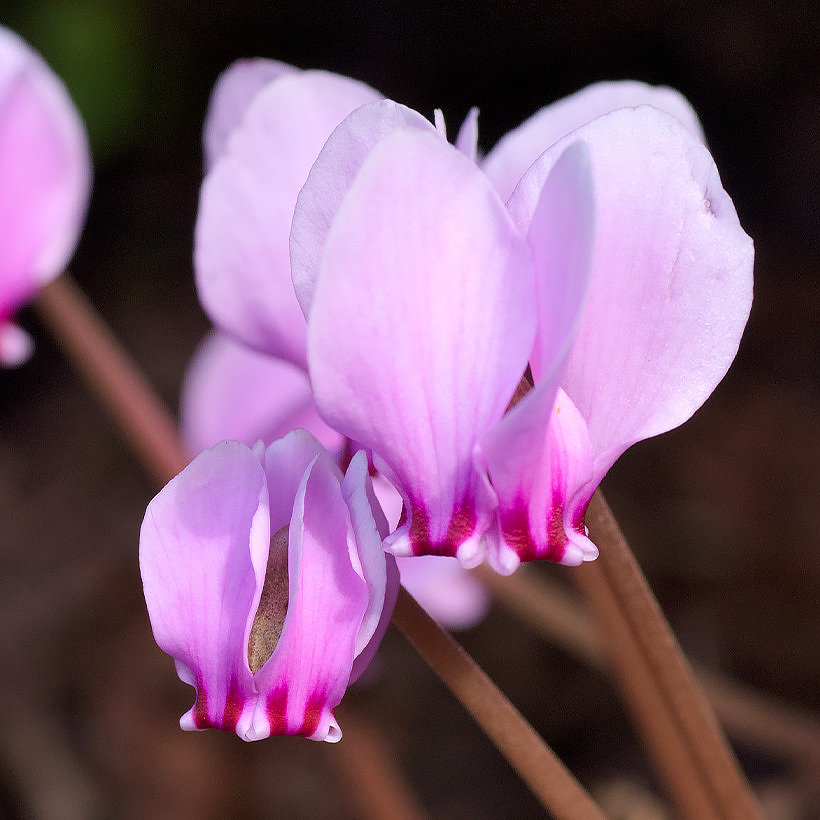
pixel 651 640
pixel 147 425
pixel 750 716
pixel 140 415
pixel 547 777
pixel 377 789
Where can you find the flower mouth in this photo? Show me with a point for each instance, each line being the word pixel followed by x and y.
pixel 273 604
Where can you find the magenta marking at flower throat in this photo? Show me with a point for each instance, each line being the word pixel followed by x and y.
pixel 234 705
pixel 515 527
pixel 277 706
pixel 461 527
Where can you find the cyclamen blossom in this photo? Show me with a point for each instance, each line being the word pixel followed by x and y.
pixel 617 271
pixel 45 181
pixel 266 582
pixel 427 299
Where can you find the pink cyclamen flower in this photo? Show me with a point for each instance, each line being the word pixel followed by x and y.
pixel 617 271
pixel 45 181
pixel 235 203
pixel 266 581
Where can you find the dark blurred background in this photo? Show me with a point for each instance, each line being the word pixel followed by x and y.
pixel 722 513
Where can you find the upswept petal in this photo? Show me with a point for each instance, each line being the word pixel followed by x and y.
pixel 233 92
pixel 671 281
pixel 380 575
pixel 519 148
pixel 233 392
pixel 241 251
pixel 467 139
pixel 45 179
pixel 306 676
pixel 203 552
pixel 286 461
pixel 526 476
pixel 330 179
pixel 421 326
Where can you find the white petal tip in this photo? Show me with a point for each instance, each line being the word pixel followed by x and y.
pixel 470 553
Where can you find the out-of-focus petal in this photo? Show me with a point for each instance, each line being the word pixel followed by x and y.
pixel 306 676
pixel 380 575
pixel 241 247
pixel 45 177
pixel 203 552
pixel 329 181
pixel 525 475
pixel 421 326
pixel 16 345
pixel 448 592
pixel 232 94
pixel 518 149
pixel 671 281
pixel 233 392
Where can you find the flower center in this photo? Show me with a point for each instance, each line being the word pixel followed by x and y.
pixel 273 605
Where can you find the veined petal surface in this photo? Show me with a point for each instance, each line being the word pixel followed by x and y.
pixel 329 181
pixel 421 326
pixel 517 150
pixel 203 552
pixel 529 479
pixel 241 243
pixel 671 282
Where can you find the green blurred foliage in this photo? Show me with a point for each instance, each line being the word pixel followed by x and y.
pixel 97 48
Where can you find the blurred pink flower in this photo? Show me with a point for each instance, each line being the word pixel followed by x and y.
pixel 266 581
pixel 45 182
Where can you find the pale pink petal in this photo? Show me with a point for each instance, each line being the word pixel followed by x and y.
pixel 286 460
pixel 45 174
pixel 448 592
pixel 233 392
pixel 421 326
pixel 329 180
pixel 306 676
pixel 671 282
pixel 524 473
pixel 377 569
pixel 241 248
pixel 467 139
pixel 518 149
pixel 203 552
pixel 233 92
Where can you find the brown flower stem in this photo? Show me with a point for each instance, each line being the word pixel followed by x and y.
pixel 615 583
pixel 752 717
pixel 377 789
pixel 94 351
pixel 545 775
pixel 149 429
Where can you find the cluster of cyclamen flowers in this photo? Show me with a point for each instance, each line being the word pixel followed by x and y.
pixel 425 353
